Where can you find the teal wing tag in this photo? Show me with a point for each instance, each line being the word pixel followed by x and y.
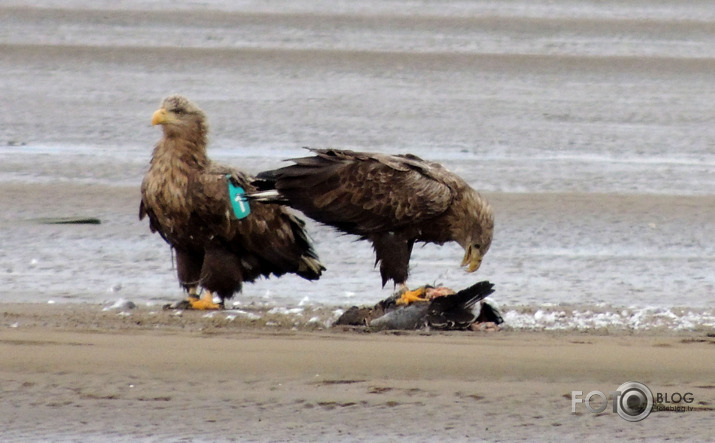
pixel 241 209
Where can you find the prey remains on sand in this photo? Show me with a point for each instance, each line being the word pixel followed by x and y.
pixel 429 308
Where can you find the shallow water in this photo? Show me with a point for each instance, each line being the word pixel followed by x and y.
pixel 588 124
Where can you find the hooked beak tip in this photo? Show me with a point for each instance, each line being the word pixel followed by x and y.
pixel 472 259
pixel 474 265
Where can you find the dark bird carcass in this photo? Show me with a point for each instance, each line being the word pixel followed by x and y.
pixel 197 206
pixel 392 201
pixel 435 308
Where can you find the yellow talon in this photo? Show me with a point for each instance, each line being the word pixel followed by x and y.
pixel 206 303
pixel 419 294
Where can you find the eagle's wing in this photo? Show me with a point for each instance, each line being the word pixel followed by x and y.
pixel 270 233
pixel 364 193
pixel 146 210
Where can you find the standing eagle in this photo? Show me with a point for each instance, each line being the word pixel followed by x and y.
pixel 391 200
pixel 219 244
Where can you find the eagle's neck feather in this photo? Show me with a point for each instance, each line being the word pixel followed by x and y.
pixel 179 148
pixel 174 162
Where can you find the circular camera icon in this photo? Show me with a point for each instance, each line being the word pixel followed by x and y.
pixel 635 402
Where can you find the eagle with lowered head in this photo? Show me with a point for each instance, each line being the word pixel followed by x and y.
pixel 187 198
pixel 391 200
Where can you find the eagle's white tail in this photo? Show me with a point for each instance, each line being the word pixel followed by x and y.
pixel 271 196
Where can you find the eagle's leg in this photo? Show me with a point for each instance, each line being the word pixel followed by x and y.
pixel 193 291
pixel 206 303
pixel 188 269
pixel 392 252
pixel 221 274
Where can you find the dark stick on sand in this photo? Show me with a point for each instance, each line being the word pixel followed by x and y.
pixel 68 221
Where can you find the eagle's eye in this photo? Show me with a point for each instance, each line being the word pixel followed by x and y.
pixel 179 111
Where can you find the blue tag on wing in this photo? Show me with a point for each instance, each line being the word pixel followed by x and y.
pixel 241 209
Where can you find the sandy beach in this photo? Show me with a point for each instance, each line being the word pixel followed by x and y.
pixel 76 372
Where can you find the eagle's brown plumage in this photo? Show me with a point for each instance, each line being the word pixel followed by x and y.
pixel 391 200
pixel 186 197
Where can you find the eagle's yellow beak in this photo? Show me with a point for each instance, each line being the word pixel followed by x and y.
pixel 472 259
pixel 160 117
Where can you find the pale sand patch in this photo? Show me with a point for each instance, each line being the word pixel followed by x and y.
pixel 76 372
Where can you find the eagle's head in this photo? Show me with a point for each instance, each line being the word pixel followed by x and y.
pixel 476 233
pixel 179 117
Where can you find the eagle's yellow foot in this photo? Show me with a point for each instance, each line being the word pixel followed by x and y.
pixel 206 303
pixel 407 297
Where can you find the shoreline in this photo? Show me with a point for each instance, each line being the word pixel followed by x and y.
pixel 258 315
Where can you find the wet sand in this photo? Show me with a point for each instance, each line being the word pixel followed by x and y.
pixel 75 372
pixel 139 263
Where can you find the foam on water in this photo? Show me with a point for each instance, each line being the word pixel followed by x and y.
pixel 609 318
pixel 543 317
